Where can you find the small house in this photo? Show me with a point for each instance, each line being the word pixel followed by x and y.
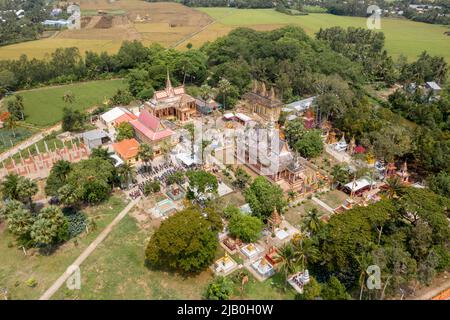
pixel 95 138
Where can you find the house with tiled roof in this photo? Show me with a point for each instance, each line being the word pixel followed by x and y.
pixel 127 150
pixel 172 103
pixel 116 116
pixel 149 129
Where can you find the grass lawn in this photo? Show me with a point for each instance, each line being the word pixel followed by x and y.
pixel 16 268
pixel 296 214
pixel 43 106
pixel 116 270
pixel 402 36
pixel 333 198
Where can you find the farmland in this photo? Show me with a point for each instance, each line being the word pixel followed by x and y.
pixel 43 106
pixel 402 36
pixel 172 24
pixel 164 23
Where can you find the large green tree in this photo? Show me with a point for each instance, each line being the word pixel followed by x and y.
pixel 184 242
pixel 245 227
pixel 50 226
pixel 263 197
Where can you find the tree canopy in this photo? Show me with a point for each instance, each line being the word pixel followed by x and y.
pixel 184 242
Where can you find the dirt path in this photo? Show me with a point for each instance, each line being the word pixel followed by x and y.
pixel 87 252
pixel 441 284
pixel 323 205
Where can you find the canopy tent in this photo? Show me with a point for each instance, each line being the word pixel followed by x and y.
pixel 187 159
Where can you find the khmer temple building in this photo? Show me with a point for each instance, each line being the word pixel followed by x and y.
pixel 263 102
pixel 172 103
pixel 271 157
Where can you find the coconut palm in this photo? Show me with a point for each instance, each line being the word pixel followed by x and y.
pixel 68 97
pixel 165 148
pixel 224 88
pixel 61 168
pixel 127 174
pixel 339 175
pixel 287 259
pixel 395 186
pixel 8 186
pixel 11 124
pixel 364 261
pixel 312 221
pixel 145 154
pixel 205 92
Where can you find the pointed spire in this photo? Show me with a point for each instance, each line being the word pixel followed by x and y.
pixel 168 82
pixel 263 89
pixel 255 86
pixel 272 93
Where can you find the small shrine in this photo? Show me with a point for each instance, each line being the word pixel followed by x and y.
pixel 274 220
pixel 299 280
pixel 225 265
pixel 271 255
pixel 391 169
pixel 250 251
pixel 175 192
pixel 331 138
pixel 308 119
pixel 403 173
pixel 341 146
pixel 351 146
pixel 263 267
pixel 232 244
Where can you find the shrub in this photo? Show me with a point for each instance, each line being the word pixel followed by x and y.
pixel 220 289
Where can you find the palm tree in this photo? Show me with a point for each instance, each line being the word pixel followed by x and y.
pixel 339 175
pixel 205 92
pixel 363 263
pixel 165 148
pixel 11 124
pixel 287 259
pixel 191 130
pixel 312 222
pixel 61 168
pixel 8 186
pixel 145 154
pixel 205 144
pixel 102 153
pixel 127 174
pixel 68 97
pixel 305 251
pixel 20 106
pixel 394 187
pixel 291 195
pixel 224 87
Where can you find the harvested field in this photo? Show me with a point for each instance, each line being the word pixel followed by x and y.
pixel 164 23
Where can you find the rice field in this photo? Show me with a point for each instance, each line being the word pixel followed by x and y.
pixel 402 36
pixel 172 24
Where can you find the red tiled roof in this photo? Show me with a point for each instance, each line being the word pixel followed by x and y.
pixel 127 117
pixel 150 126
pixel 127 149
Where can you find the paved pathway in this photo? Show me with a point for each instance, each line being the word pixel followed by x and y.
pixel 87 252
pixel 323 204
